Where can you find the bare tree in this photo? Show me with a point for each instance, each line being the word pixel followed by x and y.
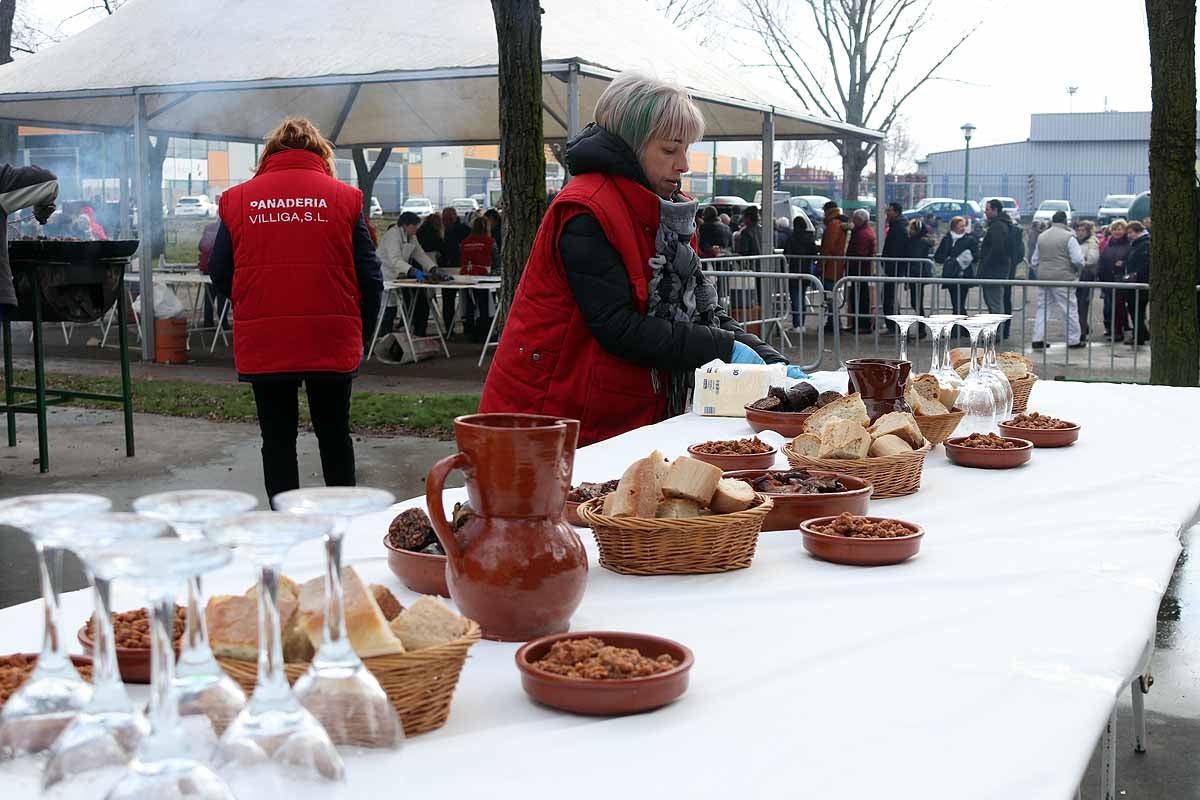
pixel 796 152
pixel 522 152
pixel 850 73
pixel 900 148
pixel 697 16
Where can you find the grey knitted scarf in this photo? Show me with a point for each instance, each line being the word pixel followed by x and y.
pixel 678 290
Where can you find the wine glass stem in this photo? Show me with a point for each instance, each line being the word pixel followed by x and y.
pixel 336 645
pixel 902 339
pixel 52 655
pixel 935 356
pixel 974 334
pixel 272 683
pixel 164 708
pixel 104 648
pixel 195 637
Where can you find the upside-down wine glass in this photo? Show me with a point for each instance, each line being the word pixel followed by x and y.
pixel 976 397
pixel 273 728
pixel 54 693
pixel 938 325
pixel 164 765
pixel 990 368
pixel 109 728
pixel 903 324
pixel 337 687
pixel 202 687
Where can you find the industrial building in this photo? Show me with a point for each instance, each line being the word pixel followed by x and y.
pixel 1080 157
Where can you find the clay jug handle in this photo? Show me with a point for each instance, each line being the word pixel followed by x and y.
pixel 434 484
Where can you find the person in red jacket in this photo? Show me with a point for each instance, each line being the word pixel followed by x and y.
pixel 294 255
pixel 477 254
pixel 613 314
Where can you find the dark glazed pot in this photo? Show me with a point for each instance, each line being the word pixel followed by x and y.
pixel 881 382
pixel 516 567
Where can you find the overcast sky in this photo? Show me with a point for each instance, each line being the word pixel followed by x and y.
pixel 1020 61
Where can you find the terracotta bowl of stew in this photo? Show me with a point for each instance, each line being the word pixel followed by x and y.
pixel 42 734
pixel 790 509
pixel 986 458
pixel 424 573
pixel 1054 437
pixel 860 552
pixel 132 662
pixel 789 424
pixel 736 462
pixel 611 697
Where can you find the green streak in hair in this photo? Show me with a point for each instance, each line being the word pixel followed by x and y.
pixel 635 129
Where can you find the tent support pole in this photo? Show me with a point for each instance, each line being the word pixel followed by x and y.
pixel 767 212
pixel 572 125
pixel 122 140
pixel 344 114
pixel 880 201
pixel 145 262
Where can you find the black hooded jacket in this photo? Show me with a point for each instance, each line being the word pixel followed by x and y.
pixel 996 250
pixel 600 284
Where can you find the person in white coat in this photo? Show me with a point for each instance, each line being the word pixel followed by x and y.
pixel 402 257
pixel 1057 256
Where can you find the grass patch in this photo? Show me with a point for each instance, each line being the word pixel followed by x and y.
pixel 370 412
pixel 183 236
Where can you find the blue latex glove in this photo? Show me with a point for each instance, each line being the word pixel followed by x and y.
pixel 742 354
pixel 796 374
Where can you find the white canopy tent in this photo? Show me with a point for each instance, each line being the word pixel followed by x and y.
pixel 371 73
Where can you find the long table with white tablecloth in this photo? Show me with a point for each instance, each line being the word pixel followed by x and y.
pixel 986 667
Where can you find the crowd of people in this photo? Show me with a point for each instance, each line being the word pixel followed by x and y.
pixel 1118 252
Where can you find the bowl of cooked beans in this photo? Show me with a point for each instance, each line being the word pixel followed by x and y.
pixel 131 635
pixel 1041 430
pixel 861 541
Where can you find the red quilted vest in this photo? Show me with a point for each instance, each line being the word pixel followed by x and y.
pixel 548 362
pixel 295 290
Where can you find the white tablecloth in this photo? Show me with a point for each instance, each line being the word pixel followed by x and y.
pixel 984 668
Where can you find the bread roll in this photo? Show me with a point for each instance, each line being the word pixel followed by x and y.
pixel 678 508
pixel 807 445
pixel 960 355
pixel 732 495
pixel 927 386
pixel 691 479
pixel 233 626
pixel 639 489
pixel 898 423
pixel 948 396
pixel 365 624
pixel 849 409
pixel 427 623
pixel 888 445
pixel 921 406
pixel 844 439
pixel 1014 365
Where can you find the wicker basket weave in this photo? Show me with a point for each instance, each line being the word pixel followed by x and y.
pixel 637 546
pixel 939 427
pixel 420 684
pixel 1021 389
pixel 891 476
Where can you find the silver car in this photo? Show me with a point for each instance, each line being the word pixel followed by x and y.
pixel 1115 206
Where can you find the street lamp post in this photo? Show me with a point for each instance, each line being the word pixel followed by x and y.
pixel 967 130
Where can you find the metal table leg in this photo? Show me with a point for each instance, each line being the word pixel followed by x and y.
pixel 39 375
pixel 379 320
pixel 487 342
pixel 126 383
pixel 436 307
pixel 9 394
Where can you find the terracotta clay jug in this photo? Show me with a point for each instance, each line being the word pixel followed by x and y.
pixel 515 567
pixel 881 383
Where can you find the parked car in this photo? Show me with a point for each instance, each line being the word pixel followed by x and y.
pixel 782 205
pixel 195 206
pixel 376 208
pixel 1010 206
pixel 812 206
pixel 726 204
pixel 866 202
pixel 1045 211
pixel 464 205
pixel 945 209
pixel 1114 206
pixel 421 206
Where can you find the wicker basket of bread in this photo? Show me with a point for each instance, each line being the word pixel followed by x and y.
pixel 889 453
pixel 416 653
pixel 676 518
pixel 1015 366
pixel 933 407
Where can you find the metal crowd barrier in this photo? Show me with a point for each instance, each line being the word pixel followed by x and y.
pixel 1119 302
pixel 773 303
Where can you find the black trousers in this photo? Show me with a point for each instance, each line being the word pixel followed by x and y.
pixel 278 406
pixel 420 314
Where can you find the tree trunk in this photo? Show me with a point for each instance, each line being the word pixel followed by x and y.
pixel 8 131
pixel 522 152
pixel 854 161
pixel 367 176
pixel 1175 346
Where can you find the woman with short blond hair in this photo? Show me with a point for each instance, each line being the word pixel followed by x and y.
pixel 613 314
pixel 295 257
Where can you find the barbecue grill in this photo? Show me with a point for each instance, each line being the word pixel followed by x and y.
pixel 59 280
